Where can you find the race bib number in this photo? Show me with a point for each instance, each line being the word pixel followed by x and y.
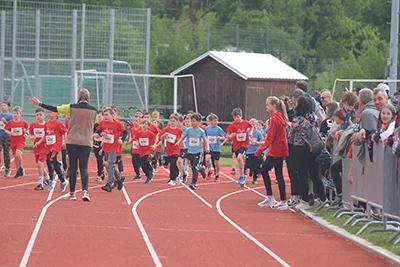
pixel 241 137
pixel 212 140
pixel 135 145
pixel 50 139
pixel 171 138
pixel 17 131
pixel 38 132
pixel 1 125
pixel 108 139
pixel 194 142
pixel 144 141
pixel 98 139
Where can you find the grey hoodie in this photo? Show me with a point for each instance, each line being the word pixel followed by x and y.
pixel 369 116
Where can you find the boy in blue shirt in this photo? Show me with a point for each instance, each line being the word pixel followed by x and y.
pixel 214 135
pixel 5 117
pixel 196 137
pixel 253 162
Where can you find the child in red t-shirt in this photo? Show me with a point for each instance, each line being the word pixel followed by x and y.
pixel 36 131
pixel 237 131
pixel 146 140
pixel 172 134
pixel 17 129
pixel 156 160
pixel 54 138
pixel 135 128
pixel 111 132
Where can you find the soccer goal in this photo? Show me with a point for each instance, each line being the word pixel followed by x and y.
pixel 123 90
pixel 352 83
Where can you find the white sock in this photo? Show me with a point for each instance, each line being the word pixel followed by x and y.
pixel 41 180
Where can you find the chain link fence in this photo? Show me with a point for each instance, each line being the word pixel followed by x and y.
pixel 42 44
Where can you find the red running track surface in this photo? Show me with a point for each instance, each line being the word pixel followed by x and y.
pixel 183 229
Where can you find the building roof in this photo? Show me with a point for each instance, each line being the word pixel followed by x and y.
pixel 250 66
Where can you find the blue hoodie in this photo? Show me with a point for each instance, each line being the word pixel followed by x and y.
pixel 8 117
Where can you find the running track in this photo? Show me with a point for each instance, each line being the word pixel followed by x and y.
pixel 157 225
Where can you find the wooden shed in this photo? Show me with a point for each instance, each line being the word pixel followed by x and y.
pixel 226 80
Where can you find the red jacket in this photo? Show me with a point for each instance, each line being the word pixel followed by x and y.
pixel 276 138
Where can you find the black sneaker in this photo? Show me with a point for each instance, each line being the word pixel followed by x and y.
pixel 202 171
pixel 107 187
pixel 7 172
pixel 311 200
pixel 19 174
pixel 121 182
pixel 21 171
pixel 184 177
pixel 39 187
pixel 192 186
pixel 254 182
pixel 115 184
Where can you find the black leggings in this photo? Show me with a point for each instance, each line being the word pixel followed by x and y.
pixel 267 166
pixel 54 165
pixel 145 161
pixel 252 163
pixel 137 163
pixel 306 167
pixel 78 154
pixel 99 161
pixel 292 171
pixel 64 159
pixel 173 168
pixel 336 170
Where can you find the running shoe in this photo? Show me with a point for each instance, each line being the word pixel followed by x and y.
pixel 63 186
pixel 267 202
pixel 192 186
pixel 120 182
pixel 302 205
pixel 39 187
pixel 233 171
pixel 70 196
pixel 242 181
pixel 137 177
pixel 107 187
pixel 172 183
pixel 150 177
pixel 85 196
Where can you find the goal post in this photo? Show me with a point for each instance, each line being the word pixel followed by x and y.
pixel 124 91
pixel 367 81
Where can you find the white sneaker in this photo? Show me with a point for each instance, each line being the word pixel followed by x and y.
pixel 280 206
pixel 267 202
pixel 172 183
pixel 302 205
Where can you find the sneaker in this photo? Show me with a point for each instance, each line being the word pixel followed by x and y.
pixel 209 173
pixel 70 196
pixel 98 179
pixel 254 182
pixel 302 205
pixel 150 177
pixel 121 183
pixel 115 184
pixel 267 202
pixel 233 171
pixel 85 196
pixel 311 200
pixel 63 186
pixel 242 181
pixel 192 186
pixel 289 202
pixel 281 206
pixel 46 181
pixel 216 178
pixel 184 178
pixel 7 172
pixel 172 183
pixel 202 171
pixel 137 177
pixel 21 171
pixel 107 187
pixel 50 186
pixel 39 187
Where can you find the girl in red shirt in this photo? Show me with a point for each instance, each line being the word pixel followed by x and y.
pixel 146 141
pixel 277 143
pixel 135 128
pixel 172 134
pixel 17 129
pixel 157 152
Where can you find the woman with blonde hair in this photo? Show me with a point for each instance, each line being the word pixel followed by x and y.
pixel 82 117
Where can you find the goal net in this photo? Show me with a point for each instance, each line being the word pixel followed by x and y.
pixel 132 90
pixel 351 84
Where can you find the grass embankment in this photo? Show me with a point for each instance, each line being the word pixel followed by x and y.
pixel 378 239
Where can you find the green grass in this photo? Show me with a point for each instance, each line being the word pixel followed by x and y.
pixel 378 239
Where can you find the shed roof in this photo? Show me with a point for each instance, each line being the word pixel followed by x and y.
pixel 250 66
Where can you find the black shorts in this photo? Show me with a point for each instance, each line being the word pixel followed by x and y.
pixel 241 151
pixel 215 155
pixel 183 153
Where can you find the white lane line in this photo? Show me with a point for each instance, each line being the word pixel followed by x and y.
pixel 17 185
pixel 258 243
pixel 194 193
pixel 255 191
pixel 35 232
pixel 128 200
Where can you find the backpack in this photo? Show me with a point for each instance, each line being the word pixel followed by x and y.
pixel 315 141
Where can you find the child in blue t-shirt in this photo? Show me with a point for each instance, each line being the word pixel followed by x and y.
pixel 214 135
pixel 253 162
pixel 196 137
